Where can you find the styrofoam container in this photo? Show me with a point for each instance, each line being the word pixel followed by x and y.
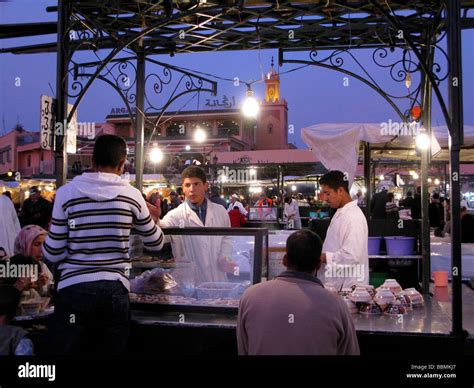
pixel 217 290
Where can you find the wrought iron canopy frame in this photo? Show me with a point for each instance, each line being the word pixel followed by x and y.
pixel 121 76
pixel 220 25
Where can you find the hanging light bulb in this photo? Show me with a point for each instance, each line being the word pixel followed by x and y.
pixel 250 107
pixel 156 155
pixel 199 135
pixel 422 141
pixel 408 80
pixel 436 181
pixel 187 148
pixel 381 177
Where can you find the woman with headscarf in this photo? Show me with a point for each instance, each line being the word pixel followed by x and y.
pixel 28 243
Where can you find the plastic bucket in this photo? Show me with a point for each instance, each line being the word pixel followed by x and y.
pixel 399 245
pixel 440 278
pixel 374 245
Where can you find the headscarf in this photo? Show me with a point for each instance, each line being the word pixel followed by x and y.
pixel 25 238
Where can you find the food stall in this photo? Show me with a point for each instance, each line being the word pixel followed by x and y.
pixel 201 319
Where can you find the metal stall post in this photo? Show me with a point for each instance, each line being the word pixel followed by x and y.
pixel 140 119
pixel 368 193
pixel 427 55
pixel 62 61
pixel 456 137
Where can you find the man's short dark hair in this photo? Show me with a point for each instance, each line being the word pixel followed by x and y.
pixel 303 249
pixel 335 179
pixel 109 151
pixel 194 172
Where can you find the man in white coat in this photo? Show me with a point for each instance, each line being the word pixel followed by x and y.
pixel 209 255
pixel 10 226
pixel 345 251
pixel 234 201
pixel 292 213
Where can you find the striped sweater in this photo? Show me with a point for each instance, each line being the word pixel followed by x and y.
pixel 90 229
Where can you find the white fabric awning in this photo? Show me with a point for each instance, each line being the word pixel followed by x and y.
pixel 337 145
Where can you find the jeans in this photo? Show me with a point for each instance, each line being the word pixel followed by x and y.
pixel 91 317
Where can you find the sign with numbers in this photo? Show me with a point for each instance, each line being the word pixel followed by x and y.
pixel 47 108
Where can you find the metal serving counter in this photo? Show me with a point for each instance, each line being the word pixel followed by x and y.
pixel 430 319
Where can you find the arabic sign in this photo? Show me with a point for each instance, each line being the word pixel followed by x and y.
pixel 225 102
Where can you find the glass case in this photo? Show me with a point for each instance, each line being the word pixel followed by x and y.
pixel 199 269
pixel 263 213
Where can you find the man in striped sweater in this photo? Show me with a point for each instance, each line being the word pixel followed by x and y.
pixel 89 239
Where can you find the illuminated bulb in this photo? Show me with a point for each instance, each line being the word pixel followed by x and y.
pixel 200 136
pixel 250 107
pixel 422 141
pixel 187 148
pixel 156 155
pixel 436 181
pixel 381 177
pixel 293 188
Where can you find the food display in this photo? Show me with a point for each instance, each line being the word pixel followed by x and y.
pixel 360 294
pixel 174 286
pixel 395 308
pixel 370 308
pixel 181 300
pixel 353 309
pixel 388 299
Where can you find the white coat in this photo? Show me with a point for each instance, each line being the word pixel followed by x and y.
pixel 10 226
pixel 292 212
pixel 346 248
pixel 202 251
pixel 239 205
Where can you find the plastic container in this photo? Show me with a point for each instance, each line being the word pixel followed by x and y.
pixel 374 245
pixel 400 245
pixel 217 290
pixel 31 307
pixel 440 278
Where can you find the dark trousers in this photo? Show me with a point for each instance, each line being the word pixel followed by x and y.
pixel 91 317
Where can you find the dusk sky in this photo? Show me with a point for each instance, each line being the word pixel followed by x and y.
pixel 314 95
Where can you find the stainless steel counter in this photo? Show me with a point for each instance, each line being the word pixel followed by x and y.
pixel 430 319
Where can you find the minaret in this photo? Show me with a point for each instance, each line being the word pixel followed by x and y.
pixel 272 127
pixel 272 85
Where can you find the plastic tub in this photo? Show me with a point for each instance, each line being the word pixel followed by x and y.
pixel 217 290
pixel 400 245
pixel 374 245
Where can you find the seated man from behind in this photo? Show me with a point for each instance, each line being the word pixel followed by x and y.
pixel 293 314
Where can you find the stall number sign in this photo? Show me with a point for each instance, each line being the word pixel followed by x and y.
pixel 47 122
